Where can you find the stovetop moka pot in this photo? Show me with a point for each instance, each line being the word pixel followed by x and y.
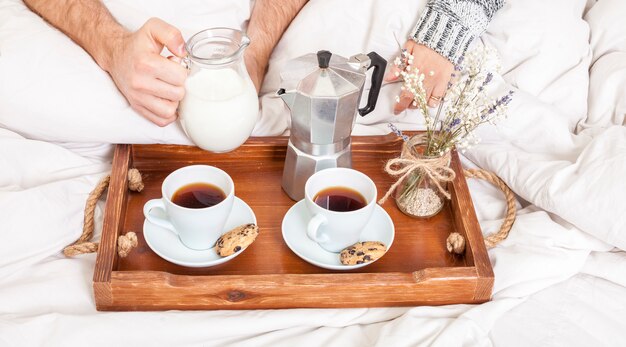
pixel 323 108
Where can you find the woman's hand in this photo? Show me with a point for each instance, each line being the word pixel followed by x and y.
pixel 437 71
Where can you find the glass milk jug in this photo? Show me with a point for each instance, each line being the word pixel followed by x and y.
pixel 221 106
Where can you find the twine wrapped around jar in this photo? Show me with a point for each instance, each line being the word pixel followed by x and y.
pixel 410 163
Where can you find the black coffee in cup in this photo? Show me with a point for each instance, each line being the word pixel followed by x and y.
pixel 198 195
pixel 340 199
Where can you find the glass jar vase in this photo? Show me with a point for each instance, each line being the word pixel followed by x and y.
pixel 423 192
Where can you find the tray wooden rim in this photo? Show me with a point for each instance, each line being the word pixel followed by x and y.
pixel 113 289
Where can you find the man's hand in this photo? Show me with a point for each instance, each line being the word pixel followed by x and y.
pixel 437 71
pixel 152 84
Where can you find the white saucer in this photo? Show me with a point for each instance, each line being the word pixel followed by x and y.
pixel 169 247
pixel 380 228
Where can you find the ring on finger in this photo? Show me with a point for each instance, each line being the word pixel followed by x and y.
pixel 435 98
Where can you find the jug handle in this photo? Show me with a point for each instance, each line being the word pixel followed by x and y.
pixel 185 62
pixel 379 64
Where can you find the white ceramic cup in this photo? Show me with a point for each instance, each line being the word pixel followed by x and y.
pixel 333 230
pixel 197 228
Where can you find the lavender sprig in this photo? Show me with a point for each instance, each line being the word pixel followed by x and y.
pixel 398 132
pixel 501 102
pixel 487 80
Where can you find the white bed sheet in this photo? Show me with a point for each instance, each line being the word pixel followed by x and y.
pixel 560 276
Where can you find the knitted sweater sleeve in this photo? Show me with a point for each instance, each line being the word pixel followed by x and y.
pixel 449 26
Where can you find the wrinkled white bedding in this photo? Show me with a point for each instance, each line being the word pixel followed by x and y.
pixel 560 276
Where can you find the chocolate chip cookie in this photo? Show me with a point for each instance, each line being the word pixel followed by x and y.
pixel 362 252
pixel 237 239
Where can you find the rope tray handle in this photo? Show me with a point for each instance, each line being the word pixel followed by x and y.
pixel 126 242
pixel 456 242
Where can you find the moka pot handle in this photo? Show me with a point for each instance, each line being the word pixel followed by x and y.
pixel 379 64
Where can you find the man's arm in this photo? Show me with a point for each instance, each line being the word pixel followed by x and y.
pixel 268 21
pixel 152 84
pixel 80 20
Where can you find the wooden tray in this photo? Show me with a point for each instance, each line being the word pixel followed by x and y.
pixel 417 270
